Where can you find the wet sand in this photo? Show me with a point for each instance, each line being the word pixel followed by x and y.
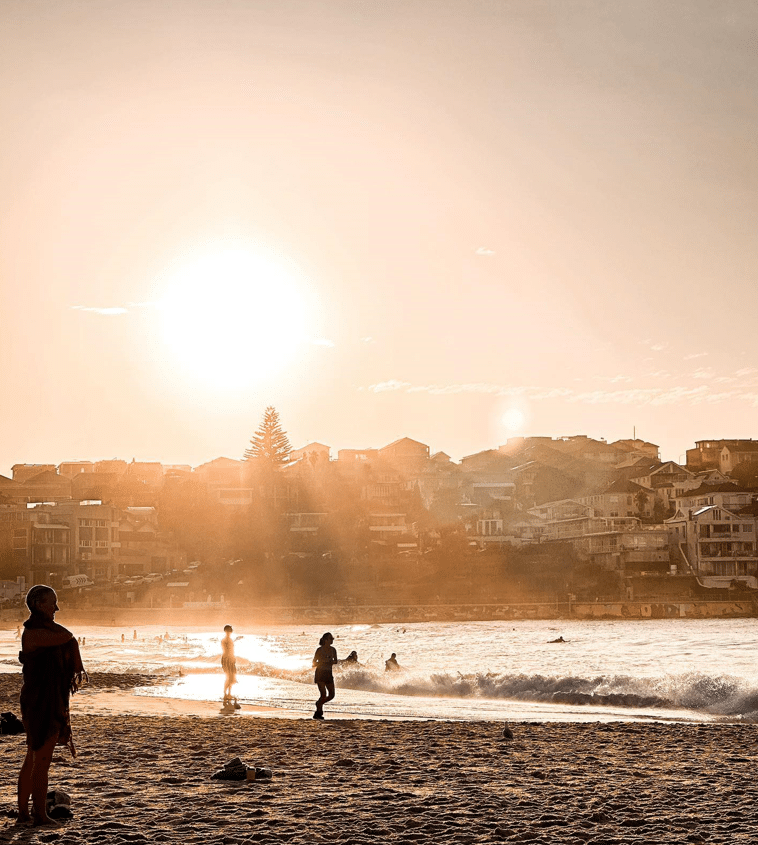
pixel 147 779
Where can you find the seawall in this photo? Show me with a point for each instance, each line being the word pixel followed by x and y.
pixel 378 614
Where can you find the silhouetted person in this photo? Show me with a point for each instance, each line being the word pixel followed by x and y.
pixel 351 658
pixel 134 636
pixel 123 637
pixel 228 664
pixel 391 664
pixel 52 671
pixel 323 661
pixel 558 640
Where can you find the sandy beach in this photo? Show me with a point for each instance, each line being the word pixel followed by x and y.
pixel 148 779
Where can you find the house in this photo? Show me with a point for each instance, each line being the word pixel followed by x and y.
pixel 637 448
pixel 390 528
pixel 405 454
pixel 220 472
pixel 313 452
pixel 495 527
pixel 620 544
pixel 72 468
pixel 23 472
pixel 115 466
pixel 622 498
pixel 149 473
pixel 733 454
pixel 46 486
pixel 727 495
pixel 94 485
pixel 667 481
pixel 716 544
pixel 10 490
pixel 707 453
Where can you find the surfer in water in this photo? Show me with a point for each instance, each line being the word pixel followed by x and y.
pixel 391 664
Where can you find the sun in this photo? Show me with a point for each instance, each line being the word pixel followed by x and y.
pixel 513 420
pixel 234 316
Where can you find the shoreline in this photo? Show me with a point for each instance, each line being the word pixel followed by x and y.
pixel 148 779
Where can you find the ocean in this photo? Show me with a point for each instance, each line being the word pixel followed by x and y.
pixel 651 670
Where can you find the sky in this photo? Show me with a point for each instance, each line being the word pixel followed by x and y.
pixel 457 221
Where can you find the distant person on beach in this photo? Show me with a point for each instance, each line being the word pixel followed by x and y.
pixel 559 640
pixel 134 636
pixel 228 664
pixel 351 658
pixel 52 670
pixel 323 661
pixel 391 664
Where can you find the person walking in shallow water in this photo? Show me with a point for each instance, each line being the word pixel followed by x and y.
pixel 52 671
pixel 228 664
pixel 323 661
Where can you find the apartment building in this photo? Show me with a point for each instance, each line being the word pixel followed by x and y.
pixel 716 543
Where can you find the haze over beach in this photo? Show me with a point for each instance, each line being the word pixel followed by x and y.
pixel 457 222
pixel 379 397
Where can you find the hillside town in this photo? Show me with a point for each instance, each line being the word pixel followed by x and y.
pixel 536 519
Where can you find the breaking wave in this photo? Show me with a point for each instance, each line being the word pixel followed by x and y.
pixel 722 695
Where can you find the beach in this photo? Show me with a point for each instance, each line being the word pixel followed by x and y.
pixel 148 779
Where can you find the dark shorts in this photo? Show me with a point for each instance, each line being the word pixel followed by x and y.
pixel 324 676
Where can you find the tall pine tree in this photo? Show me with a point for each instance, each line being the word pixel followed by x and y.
pixel 269 445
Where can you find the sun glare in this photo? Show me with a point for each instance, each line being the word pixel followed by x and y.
pixel 234 316
pixel 513 420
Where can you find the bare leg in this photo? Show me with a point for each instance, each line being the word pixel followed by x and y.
pixel 327 694
pixel 25 788
pixel 322 696
pixel 41 760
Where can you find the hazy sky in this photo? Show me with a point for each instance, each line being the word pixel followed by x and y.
pixel 454 221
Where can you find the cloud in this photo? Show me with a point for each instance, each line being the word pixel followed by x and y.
pixel 655 396
pixel 113 311
pixel 482 250
pixel 387 386
pixel 323 341
pixel 693 355
pixel 367 340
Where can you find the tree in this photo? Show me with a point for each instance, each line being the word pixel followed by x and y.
pixel 269 445
pixel 640 499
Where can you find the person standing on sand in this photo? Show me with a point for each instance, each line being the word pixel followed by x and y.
pixel 391 664
pixel 52 670
pixel 323 661
pixel 228 664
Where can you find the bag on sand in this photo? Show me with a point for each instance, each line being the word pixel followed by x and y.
pixel 59 804
pixel 10 724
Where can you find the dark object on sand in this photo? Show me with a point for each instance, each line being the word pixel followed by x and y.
pixel 507 733
pixel 259 773
pixel 59 805
pixel 10 724
pixel 233 770
pixel 237 770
